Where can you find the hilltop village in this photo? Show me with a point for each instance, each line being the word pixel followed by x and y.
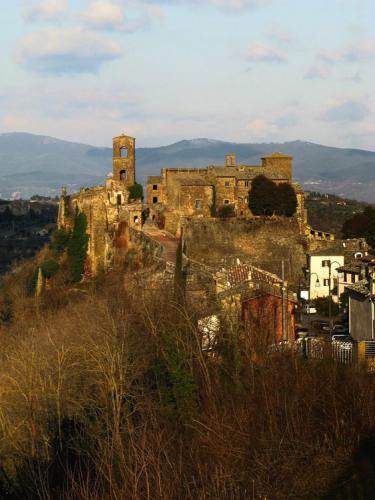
pixel 200 334
pixel 258 267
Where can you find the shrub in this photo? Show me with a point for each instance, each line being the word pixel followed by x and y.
pixel 135 192
pixel 59 241
pixel 213 210
pixel 77 247
pixel 160 220
pixel 322 306
pixel 50 268
pixel 31 281
pixel 226 211
pixel 6 312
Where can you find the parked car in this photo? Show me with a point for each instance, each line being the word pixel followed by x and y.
pixel 340 330
pixel 339 337
pixel 319 324
pixel 309 309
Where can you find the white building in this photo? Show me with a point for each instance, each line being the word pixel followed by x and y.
pixel 322 273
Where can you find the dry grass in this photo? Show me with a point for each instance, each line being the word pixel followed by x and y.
pixel 105 393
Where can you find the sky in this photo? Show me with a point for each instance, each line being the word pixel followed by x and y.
pixel 167 70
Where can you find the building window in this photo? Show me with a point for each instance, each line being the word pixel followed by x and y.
pixel 227 184
pixel 119 199
pixel 154 200
pixel 123 175
pixel 155 187
pixel 226 202
pixel 326 282
pixel 136 219
pixel 198 204
pixel 326 263
pixel 247 183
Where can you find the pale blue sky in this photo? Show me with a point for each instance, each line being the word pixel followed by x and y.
pixel 239 70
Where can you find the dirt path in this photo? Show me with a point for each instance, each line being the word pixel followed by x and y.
pixel 167 240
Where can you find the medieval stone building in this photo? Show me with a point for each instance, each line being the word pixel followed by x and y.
pixel 109 209
pixel 191 192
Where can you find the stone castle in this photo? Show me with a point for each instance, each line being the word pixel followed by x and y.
pixel 179 194
pixel 191 192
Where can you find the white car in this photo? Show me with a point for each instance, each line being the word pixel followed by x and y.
pixel 307 309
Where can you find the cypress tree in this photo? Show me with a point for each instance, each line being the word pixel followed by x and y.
pixel 286 200
pixel 77 247
pixel 262 196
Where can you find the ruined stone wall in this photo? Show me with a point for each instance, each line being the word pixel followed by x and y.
pixel 93 204
pixel 263 242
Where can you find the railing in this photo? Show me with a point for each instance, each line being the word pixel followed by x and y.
pixel 316 348
pixel 342 352
pixel 370 349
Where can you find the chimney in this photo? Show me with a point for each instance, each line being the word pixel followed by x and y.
pixel 230 160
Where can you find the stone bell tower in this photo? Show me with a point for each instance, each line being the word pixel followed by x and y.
pixel 124 160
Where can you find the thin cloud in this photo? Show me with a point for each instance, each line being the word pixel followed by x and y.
pixel 62 51
pixel 348 111
pixel 320 71
pixel 45 10
pixel 360 53
pixel 234 5
pixel 104 14
pixel 239 4
pixel 260 52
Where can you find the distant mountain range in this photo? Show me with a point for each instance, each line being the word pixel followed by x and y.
pixel 31 164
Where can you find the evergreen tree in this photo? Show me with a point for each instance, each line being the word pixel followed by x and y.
pixel 135 192
pixel 268 198
pixel 286 200
pixel 77 247
pixel 262 196
pixel 361 226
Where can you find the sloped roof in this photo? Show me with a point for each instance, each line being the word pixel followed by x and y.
pixel 351 267
pixel 246 272
pixel 360 287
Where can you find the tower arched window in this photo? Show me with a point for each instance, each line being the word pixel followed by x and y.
pixel 124 152
pixel 123 175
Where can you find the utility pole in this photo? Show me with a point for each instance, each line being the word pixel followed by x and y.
pixel 330 298
pixel 283 299
pixel 330 293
